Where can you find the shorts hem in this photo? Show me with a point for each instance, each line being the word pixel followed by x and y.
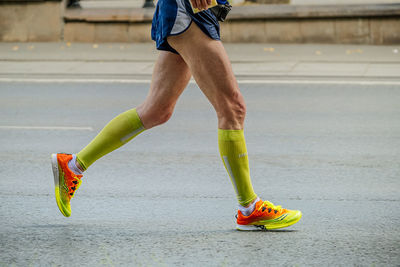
pixel 161 48
pixel 175 34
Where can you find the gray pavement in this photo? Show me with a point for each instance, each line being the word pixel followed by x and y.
pixel 249 60
pixel 164 199
pixel 328 146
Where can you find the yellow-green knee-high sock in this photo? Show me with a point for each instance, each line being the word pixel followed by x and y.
pixel 116 133
pixel 232 147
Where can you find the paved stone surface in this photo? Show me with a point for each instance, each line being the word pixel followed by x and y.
pixel 164 199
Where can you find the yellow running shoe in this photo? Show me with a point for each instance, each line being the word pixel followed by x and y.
pixel 66 182
pixel 267 216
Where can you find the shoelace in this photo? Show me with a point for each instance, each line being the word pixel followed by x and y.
pixel 268 205
pixel 77 183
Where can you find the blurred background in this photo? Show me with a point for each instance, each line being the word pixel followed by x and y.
pixel 373 22
pixel 136 3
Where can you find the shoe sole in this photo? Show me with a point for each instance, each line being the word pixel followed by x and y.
pixel 269 226
pixel 56 174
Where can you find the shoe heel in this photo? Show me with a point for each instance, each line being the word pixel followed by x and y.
pixel 54 165
pixel 250 227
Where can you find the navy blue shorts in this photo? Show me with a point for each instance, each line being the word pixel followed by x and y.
pixel 173 17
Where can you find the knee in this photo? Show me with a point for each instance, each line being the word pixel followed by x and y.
pixel 154 116
pixel 163 115
pixel 239 108
pixel 232 113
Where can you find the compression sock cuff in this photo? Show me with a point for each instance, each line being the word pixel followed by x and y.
pixel 230 135
pixel 81 163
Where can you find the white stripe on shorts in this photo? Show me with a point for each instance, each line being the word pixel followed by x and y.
pixel 182 20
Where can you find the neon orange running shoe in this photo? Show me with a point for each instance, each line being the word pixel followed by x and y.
pixel 66 182
pixel 267 216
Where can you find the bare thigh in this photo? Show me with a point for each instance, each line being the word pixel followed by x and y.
pixel 212 70
pixel 170 77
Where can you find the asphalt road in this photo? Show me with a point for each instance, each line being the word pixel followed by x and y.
pixel 332 151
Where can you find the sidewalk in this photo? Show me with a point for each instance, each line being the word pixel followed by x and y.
pixel 258 61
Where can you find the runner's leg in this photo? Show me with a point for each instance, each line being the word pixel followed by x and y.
pixel 170 77
pixel 212 71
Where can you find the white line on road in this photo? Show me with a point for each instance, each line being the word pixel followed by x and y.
pixel 63 80
pixel 351 82
pixel 242 81
pixel 57 128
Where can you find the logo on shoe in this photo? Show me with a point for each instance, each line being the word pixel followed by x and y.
pixel 63 182
pixel 280 218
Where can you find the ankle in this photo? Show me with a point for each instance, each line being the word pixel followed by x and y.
pixel 247 210
pixel 74 166
pixel 79 166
